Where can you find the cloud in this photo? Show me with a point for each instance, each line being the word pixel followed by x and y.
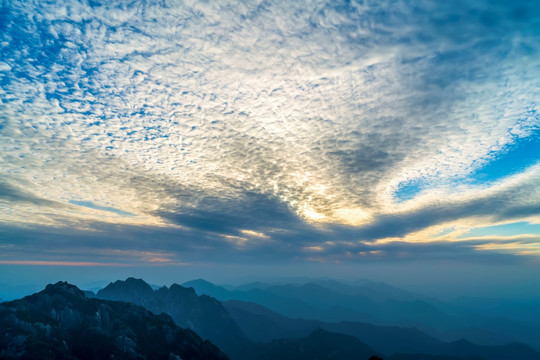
pixel 58 263
pixel 299 121
pixel 12 194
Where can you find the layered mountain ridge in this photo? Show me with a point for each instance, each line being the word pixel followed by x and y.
pixel 377 304
pixel 203 314
pixel 61 322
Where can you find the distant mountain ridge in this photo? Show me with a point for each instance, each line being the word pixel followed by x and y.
pixel 282 304
pixel 203 314
pixel 318 345
pixel 61 322
pixel 379 304
pixel 263 324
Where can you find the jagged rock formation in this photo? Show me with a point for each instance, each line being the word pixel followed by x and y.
pixel 60 322
pixel 203 314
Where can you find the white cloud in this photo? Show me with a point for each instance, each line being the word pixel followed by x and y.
pixel 154 107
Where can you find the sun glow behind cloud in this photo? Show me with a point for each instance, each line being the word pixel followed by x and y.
pixel 161 114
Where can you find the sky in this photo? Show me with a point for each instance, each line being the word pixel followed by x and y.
pixel 388 139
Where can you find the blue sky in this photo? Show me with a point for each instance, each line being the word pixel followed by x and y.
pixel 317 134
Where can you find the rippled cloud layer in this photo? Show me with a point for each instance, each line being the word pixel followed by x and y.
pixel 316 130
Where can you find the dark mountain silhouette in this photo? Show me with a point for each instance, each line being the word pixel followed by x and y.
pixel 524 309
pixel 89 293
pixel 202 286
pixel 501 352
pixel 60 322
pixel 429 357
pixel 262 324
pixel 476 335
pixel 376 291
pixel 208 317
pixel 282 304
pixel 315 301
pixel 379 304
pixel 249 286
pixel 318 345
pixel 319 297
pixel 203 314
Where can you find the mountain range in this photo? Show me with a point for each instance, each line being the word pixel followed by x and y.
pixel 379 304
pixel 203 314
pixel 262 324
pixel 132 319
pixel 318 345
pixel 61 322
pixel 252 326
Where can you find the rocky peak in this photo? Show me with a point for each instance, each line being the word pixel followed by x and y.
pixel 186 291
pixel 65 289
pixel 131 290
pixel 204 314
pixel 61 322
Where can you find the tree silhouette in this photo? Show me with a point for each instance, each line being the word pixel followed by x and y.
pixel 375 357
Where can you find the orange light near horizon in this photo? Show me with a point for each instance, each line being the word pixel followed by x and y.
pixel 60 263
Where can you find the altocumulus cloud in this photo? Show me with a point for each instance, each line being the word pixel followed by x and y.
pixel 266 127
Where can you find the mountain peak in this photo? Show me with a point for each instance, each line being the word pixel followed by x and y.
pixel 131 281
pixel 60 322
pixel 131 284
pixel 182 289
pixel 320 344
pixel 200 282
pixel 203 314
pixel 64 288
